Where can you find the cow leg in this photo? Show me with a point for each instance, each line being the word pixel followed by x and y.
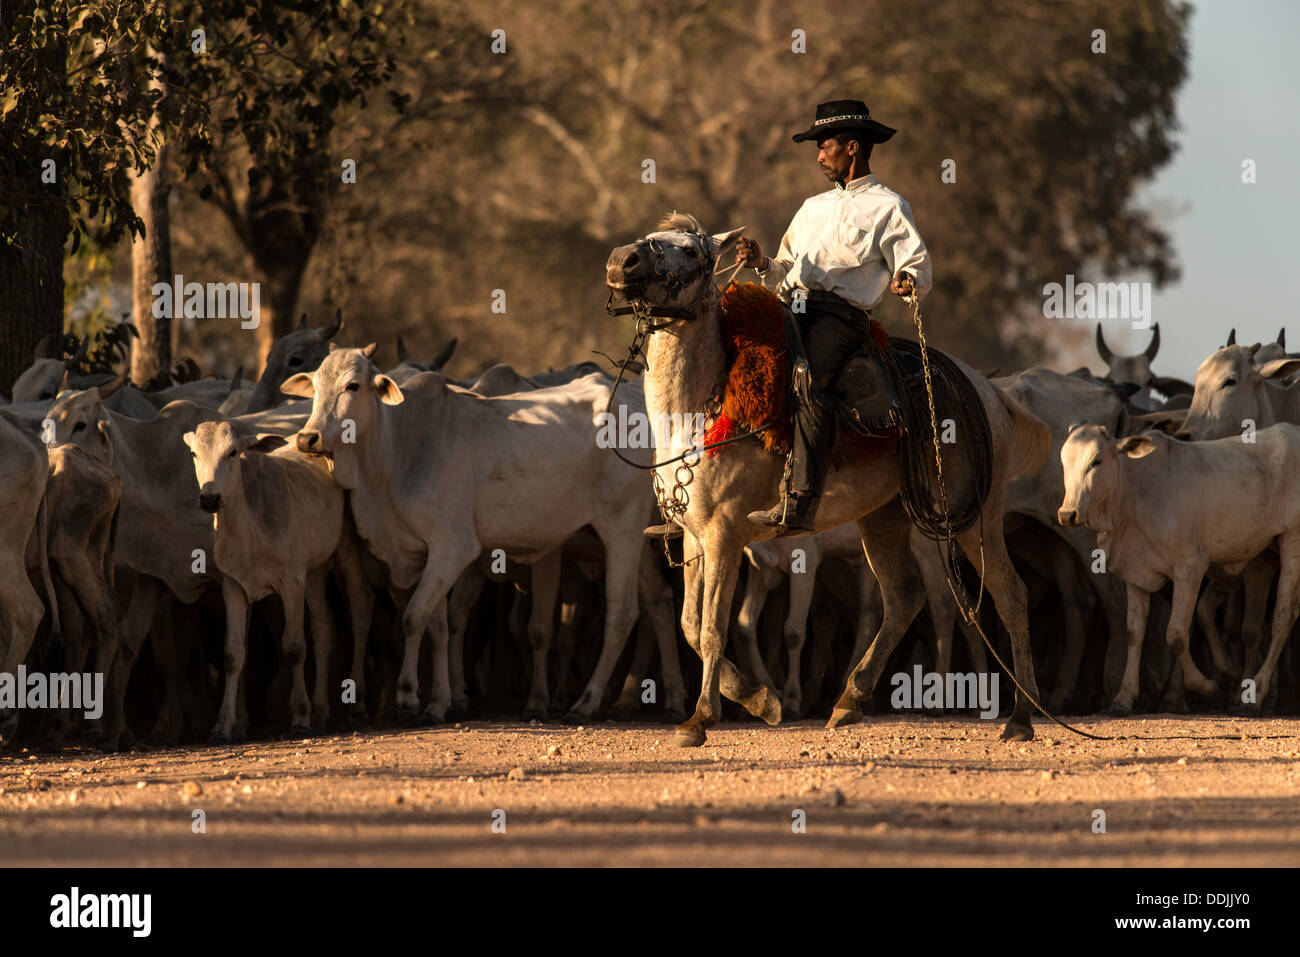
pixel 237 609
pixel 1284 614
pixel 1139 603
pixel 1257 581
pixel 293 643
pixel 105 619
pixel 541 624
pixel 322 640
pixel 622 564
pixel 140 611
pixel 886 537
pixel 795 633
pixel 445 563
pixel 655 597
pixel 1010 598
pixel 629 695
pixel 823 634
pixel 460 605
pixel 758 582
pixel 1187 583
pixel 361 605
pixel 1207 616
pixel 1077 602
pixel 440 700
pixel 24 609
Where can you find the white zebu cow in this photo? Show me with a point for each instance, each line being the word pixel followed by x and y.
pixel 23 477
pixel 439 475
pixel 1234 394
pixel 278 521
pixel 1166 510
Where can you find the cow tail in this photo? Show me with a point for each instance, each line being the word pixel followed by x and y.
pixel 43 556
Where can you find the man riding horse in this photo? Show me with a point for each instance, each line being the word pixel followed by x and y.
pixel 844 248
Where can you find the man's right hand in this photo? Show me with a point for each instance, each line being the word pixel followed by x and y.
pixel 749 253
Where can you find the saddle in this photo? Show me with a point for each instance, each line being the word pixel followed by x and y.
pixel 763 346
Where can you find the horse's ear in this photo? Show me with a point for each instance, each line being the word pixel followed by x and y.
pixel 722 240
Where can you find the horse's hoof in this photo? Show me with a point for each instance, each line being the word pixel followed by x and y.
pixel 841 717
pixel 1017 732
pixel 1119 710
pixel 218 739
pixel 301 731
pixel 532 714
pixel 689 736
pixel 458 711
pixel 673 716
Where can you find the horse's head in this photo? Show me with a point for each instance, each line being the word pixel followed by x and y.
pixel 672 267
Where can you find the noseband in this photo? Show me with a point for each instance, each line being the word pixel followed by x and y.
pixel 672 283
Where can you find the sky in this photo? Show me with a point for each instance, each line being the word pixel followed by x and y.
pixel 1236 242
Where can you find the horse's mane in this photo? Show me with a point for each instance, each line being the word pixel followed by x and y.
pixel 681 222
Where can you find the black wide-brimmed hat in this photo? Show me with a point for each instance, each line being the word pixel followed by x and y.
pixel 839 115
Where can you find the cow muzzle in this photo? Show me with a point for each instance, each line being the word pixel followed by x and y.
pixel 209 500
pixel 1068 517
pixel 309 442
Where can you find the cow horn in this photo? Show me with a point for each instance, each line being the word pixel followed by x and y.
pixel 444 356
pixel 1102 349
pixel 1232 338
pixel 63 383
pixel 47 348
pixel 235 379
pixel 333 328
pixel 302 323
pixel 108 388
pixel 402 354
pixel 1154 347
pixel 1281 337
pixel 369 351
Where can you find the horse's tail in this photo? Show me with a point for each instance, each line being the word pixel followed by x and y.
pixel 1031 439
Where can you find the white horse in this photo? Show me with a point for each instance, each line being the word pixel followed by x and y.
pixel 670 273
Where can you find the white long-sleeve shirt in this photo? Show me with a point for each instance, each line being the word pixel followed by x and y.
pixel 851 240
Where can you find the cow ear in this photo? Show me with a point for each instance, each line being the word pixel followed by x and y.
pixel 442 357
pixel 1137 446
pixel 300 384
pixel 187 438
pixel 389 391
pixel 1279 368
pixel 265 442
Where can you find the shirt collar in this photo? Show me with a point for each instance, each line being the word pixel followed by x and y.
pixel 861 183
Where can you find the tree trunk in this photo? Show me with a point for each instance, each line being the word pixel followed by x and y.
pixel 281 286
pixel 151 262
pixel 31 270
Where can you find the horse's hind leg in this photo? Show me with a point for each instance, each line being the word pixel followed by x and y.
pixel 1011 599
pixel 886 537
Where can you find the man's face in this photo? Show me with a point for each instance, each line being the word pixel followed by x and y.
pixel 835 158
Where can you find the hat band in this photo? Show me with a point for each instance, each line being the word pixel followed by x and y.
pixel 838 119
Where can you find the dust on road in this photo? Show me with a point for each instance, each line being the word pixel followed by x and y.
pixel 893 791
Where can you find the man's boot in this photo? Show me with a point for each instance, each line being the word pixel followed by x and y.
pixel 795 514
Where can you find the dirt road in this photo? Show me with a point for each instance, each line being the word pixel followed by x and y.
pixel 892 791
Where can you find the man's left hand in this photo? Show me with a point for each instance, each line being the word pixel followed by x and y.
pixel 902 285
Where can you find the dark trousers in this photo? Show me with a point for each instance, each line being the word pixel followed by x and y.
pixel 831 332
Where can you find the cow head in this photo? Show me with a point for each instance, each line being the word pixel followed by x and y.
pixel 1090 462
pixel 347 388
pixel 672 267
pixel 79 417
pixel 1230 388
pixel 300 351
pixel 218 451
pixel 1132 369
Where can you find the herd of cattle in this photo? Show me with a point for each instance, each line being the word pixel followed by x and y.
pixel 376 509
